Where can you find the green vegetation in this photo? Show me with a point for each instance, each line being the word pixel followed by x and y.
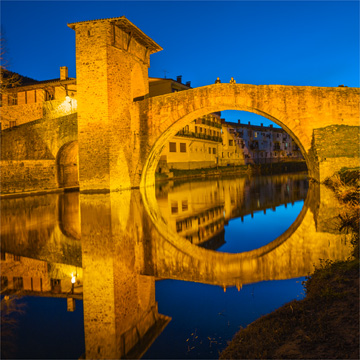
pixel 324 325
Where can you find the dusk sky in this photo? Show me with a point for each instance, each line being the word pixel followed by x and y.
pixel 313 43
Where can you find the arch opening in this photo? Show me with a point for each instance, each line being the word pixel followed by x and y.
pixel 67 165
pixel 148 175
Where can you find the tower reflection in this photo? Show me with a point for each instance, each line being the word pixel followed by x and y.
pixel 129 239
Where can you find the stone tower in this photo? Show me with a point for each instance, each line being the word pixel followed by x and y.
pixel 112 61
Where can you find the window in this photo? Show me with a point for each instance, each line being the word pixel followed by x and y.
pixel 204 131
pixel 178 227
pixel 174 207
pixel 184 205
pixel 255 134
pixel 214 150
pixel 56 285
pixel 12 99
pixel 182 147
pixel 209 150
pixel 4 282
pixel 201 129
pixel 18 283
pixel 196 129
pixel 230 142
pixel 172 147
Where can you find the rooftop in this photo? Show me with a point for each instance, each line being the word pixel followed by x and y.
pixel 124 24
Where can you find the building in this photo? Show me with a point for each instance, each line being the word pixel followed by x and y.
pixel 195 211
pixel 257 144
pixel 31 100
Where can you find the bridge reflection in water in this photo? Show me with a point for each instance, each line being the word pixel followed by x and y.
pixel 126 240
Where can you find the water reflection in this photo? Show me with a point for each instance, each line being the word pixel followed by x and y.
pixel 119 252
pixel 199 210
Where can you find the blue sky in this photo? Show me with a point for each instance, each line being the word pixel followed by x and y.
pixel 313 43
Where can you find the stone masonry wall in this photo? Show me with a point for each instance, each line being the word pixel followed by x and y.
pixel 29 152
pixel 109 75
pixel 335 147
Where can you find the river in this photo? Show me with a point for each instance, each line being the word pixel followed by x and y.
pixel 92 276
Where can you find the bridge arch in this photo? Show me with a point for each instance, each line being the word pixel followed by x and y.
pixel 67 165
pixel 299 110
pixel 148 174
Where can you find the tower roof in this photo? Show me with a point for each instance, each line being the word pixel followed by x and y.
pixel 124 24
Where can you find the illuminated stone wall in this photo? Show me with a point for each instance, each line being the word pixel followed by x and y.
pixel 112 66
pixel 29 153
pixel 335 147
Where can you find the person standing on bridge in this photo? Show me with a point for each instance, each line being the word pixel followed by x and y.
pixel 217 81
pixel 232 81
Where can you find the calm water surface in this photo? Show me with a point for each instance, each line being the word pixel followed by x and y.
pixel 193 308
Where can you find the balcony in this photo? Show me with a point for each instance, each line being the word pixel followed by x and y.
pixel 254 145
pixel 199 136
pixel 209 123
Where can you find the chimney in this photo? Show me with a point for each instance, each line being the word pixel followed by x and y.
pixel 178 78
pixel 63 73
pixel 271 126
pixel 262 124
pixel 249 122
pixel 239 121
pixel 188 83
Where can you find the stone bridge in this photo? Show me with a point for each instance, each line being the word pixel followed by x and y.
pixel 300 110
pixel 122 131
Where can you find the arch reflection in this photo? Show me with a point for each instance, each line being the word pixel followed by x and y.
pixel 126 244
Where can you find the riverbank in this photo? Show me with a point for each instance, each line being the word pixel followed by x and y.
pixel 251 169
pixel 324 325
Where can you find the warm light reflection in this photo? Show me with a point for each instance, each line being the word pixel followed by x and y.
pixel 119 253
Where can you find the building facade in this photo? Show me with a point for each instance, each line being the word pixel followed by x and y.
pixel 32 100
pixel 257 144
